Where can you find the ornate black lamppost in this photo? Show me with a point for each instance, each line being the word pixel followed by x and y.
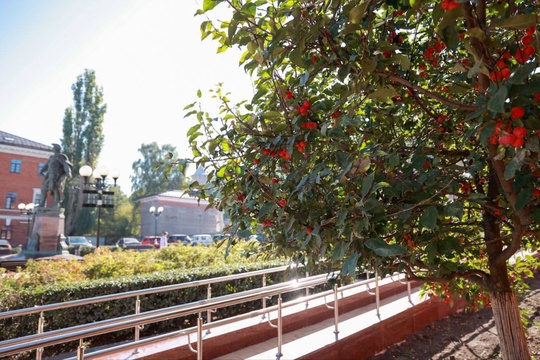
pixel 156 213
pixel 96 194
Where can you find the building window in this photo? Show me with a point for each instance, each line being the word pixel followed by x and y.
pixel 11 200
pixel 40 167
pixel 6 233
pixel 15 166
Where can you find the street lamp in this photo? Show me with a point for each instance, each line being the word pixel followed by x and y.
pixel 96 194
pixel 28 210
pixel 156 213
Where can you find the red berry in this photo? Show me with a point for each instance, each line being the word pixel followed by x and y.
pixel 536 192
pixel 517 112
pixel 309 230
pixel 519 131
pixel 518 142
pixel 288 95
pixel 507 139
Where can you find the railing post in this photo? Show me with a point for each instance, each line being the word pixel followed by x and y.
pixel 336 311
pixel 199 338
pixel 279 328
pixel 209 311
pixel 264 297
pixel 377 297
pixel 80 350
pixel 41 322
pixel 138 327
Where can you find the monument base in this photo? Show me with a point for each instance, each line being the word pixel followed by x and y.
pixel 47 231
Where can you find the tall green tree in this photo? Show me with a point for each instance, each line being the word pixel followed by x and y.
pixel 389 135
pixel 149 177
pixel 82 142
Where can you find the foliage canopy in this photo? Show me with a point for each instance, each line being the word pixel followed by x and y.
pixel 396 135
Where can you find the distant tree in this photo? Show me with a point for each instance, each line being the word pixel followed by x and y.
pixel 148 177
pixel 122 221
pixel 82 142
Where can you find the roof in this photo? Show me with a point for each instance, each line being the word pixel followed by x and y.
pixel 17 141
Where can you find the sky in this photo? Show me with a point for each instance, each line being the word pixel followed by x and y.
pixel 148 58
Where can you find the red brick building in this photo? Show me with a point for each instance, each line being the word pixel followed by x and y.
pixel 20 163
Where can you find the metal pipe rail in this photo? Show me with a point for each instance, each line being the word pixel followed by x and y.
pixel 37 341
pixel 135 293
pixel 261 312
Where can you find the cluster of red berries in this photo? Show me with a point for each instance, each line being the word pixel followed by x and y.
pixel 448 5
pixel 304 108
pixel 524 54
pixel 506 135
pixel 283 153
pixel 504 72
pixel 308 125
pixel 301 146
pixel 465 188
pixel 432 53
pixel 267 223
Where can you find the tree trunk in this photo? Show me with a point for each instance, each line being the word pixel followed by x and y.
pixel 511 333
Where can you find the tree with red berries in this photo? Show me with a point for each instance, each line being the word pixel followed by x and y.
pixel 389 135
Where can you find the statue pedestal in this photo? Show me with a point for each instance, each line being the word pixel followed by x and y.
pixel 47 233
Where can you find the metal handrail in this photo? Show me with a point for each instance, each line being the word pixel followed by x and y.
pixel 80 332
pixel 134 293
pixel 54 337
pixel 226 321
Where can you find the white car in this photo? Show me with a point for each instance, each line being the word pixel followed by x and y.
pixel 78 241
pixel 202 239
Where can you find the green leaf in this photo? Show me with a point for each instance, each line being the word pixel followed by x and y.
pixel 266 209
pixel 221 172
pixel 209 4
pixel 272 115
pixel 304 78
pixel 522 73
pixel 454 209
pixel 366 184
pixel 516 22
pixel 381 248
pixel 357 13
pixel 429 218
pixel 244 234
pixel 511 168
pixel 496 103
pixel 383 94
pixel 523 198
pixel 368 65
pixel 349 266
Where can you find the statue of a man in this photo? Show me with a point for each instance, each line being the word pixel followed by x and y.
pixel 56 171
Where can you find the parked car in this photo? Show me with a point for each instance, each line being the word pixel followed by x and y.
pixel 151 240
pixel 127 242
pixel 179 239
pixel 4 244
pixel 78 241
pixel 202 239
pixel 220 237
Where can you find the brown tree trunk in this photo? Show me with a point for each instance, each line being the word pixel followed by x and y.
pixel 511 333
